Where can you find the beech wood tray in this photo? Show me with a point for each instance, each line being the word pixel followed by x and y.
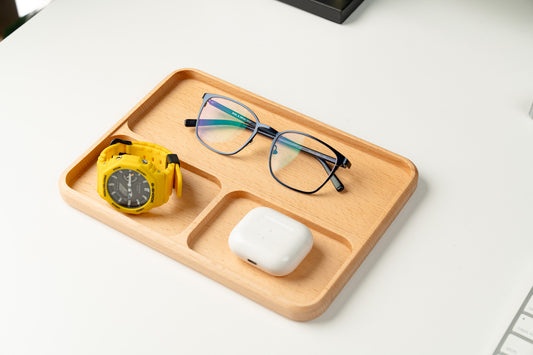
pixel 219 190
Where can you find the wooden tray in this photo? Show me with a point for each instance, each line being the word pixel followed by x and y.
pixel 219 190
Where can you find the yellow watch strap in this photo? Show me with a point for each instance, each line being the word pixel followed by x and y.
pixel 178 180
pixel 150 152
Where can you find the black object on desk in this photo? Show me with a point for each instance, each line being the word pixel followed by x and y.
pixel 333 10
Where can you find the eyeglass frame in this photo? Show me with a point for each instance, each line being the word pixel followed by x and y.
pixel 272 133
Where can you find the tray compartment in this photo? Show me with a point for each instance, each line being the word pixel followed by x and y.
pixel 199 189
pixel 301 287
pixel 373 184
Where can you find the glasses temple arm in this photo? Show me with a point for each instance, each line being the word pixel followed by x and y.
pixel 216 122
pixel 334 179
pixel 265 131
pixel 232 113
pixel 248 123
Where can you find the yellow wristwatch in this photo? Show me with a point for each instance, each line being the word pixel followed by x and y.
pixel 137 176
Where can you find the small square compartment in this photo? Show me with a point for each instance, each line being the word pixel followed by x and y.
pixel 305 286
pixel 170 219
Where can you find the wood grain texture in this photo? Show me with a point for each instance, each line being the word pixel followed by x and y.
pixel 220 190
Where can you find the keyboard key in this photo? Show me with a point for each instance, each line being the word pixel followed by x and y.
pixel 516 346
pixel 524 326
pixel 529 306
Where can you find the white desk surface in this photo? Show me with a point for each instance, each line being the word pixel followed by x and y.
pixel 447 84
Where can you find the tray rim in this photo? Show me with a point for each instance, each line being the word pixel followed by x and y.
pixel 181 252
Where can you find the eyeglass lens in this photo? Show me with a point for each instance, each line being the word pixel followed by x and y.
pixel 224 125
pixel 295 161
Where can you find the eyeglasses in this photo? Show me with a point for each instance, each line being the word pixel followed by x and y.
pixel 297 160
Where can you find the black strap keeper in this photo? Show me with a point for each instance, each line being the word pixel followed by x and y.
pixel 118 140
pixel 173 159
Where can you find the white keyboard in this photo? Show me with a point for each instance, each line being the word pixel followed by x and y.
pixel 518 339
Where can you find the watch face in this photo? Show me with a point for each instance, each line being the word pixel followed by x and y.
pixel 128 188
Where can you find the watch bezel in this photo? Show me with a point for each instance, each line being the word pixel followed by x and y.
pixel 136 164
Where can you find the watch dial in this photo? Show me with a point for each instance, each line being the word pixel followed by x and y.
pixel 128 188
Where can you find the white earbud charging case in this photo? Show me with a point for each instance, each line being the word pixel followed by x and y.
pixel 271 241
